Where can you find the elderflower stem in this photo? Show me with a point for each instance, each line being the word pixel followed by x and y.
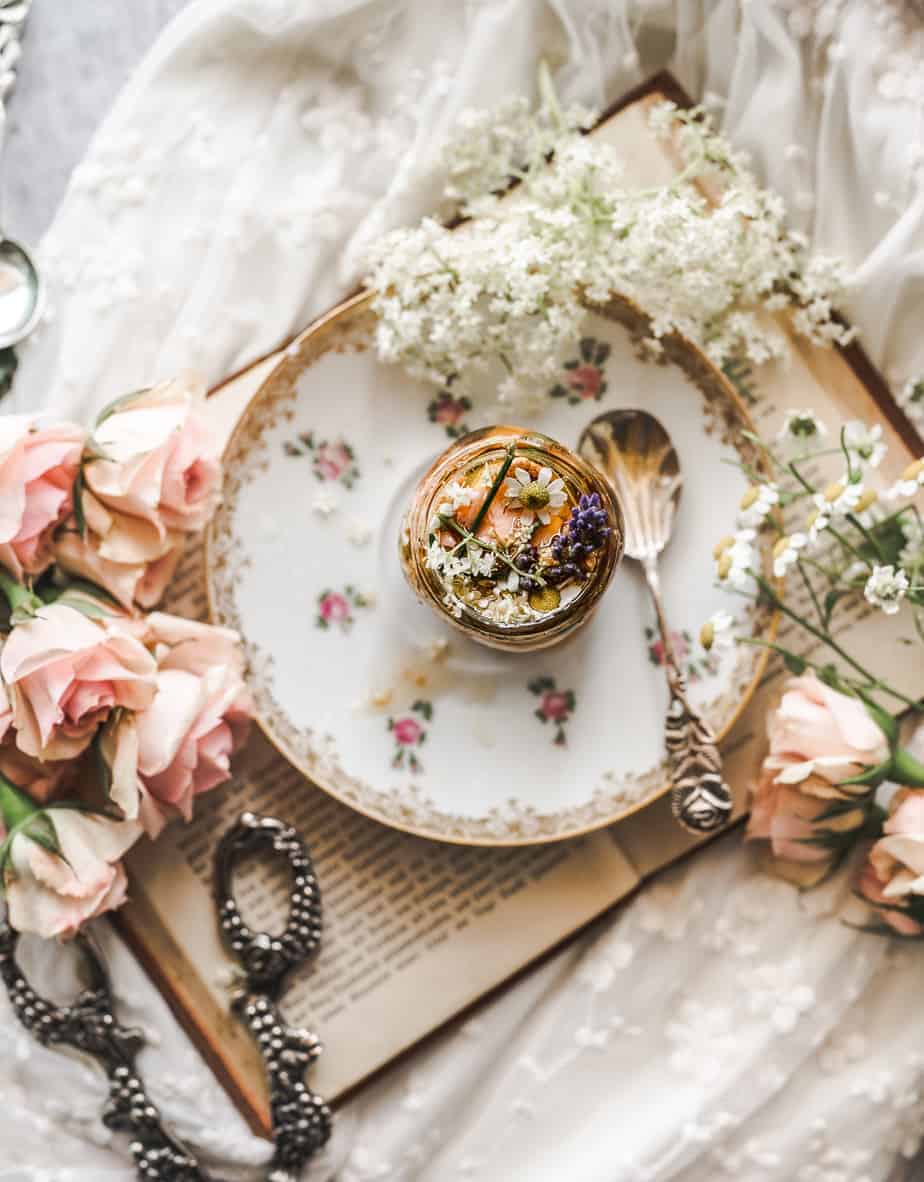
pixel 463 533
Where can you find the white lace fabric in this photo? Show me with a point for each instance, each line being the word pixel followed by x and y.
pixel 721 1025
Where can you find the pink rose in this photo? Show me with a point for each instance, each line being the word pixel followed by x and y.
pixel 332 460
pixel 158 481
pixel 585 381
pixel 893 877
pixel 797 821
pixel 52 894
pixel 196 647
pixel 38 466
pixel 334 608
pixel 64 673
pixel 816 730
pixel 130 582
pixel 188 735
pixel 180 745
pixel 555 705
pixel 162 462
pixel 408 732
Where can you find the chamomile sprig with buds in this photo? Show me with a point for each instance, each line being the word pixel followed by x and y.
pixel 851 543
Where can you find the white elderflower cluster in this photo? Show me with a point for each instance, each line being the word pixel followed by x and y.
pixel 886 588
pixel 509 289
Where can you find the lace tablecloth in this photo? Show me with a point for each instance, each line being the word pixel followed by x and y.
pixel 721 1025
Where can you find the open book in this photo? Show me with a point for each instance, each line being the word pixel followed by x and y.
pixel 417 931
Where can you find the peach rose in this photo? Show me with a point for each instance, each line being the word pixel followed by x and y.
pixel 52 894
pixel 162 463
pixel 188 734
pixel 190 645
pixel 38 466
pixel 64 673
pixel 143 581
pixel 805 824
pixel 893 877
pixel 156 477
pixel 816 730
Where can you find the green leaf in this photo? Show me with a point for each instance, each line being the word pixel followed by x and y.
pixel 872 776
pixel 906 769
pixel 831 601
pixel 794 664
pixel 118 404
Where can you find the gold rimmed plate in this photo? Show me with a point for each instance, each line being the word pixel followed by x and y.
pixel 377 700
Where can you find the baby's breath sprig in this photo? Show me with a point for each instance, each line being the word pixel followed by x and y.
pixel 509 292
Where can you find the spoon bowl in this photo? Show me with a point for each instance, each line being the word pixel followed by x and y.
pixel 21 293
pixel 636 454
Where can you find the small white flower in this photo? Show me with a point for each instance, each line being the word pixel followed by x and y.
pixel 865 442
pixel 324 504
pixel 786 553
pixel 757 503
pixel 886 588
pixel 535 496
pixel 735 557
pixel 802 425
pixel 837 500
pixel 911 480
pixel 436 555
pixel 459 495
pixel 357 532
pixel 717 633
pixel 480 560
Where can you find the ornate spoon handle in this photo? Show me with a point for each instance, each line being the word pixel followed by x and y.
pixel 89 1025
pixel 301 1119
pixel 700 799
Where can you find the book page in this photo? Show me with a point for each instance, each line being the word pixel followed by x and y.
pixel 404 917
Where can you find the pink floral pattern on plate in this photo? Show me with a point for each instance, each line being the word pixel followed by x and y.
pixel 584 379
pixel 694 667
pixel 332 460
pixel 449 412
pixel 410 734
pixel 335 608
pixel 555 706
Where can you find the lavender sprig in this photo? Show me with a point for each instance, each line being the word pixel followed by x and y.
pixel 583 534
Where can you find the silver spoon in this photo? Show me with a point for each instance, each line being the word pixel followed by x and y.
pixel 635 453
pixel 21 290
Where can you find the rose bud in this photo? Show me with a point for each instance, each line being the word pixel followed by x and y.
pixel 62 866
pixel 892 879
pixel 38 466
